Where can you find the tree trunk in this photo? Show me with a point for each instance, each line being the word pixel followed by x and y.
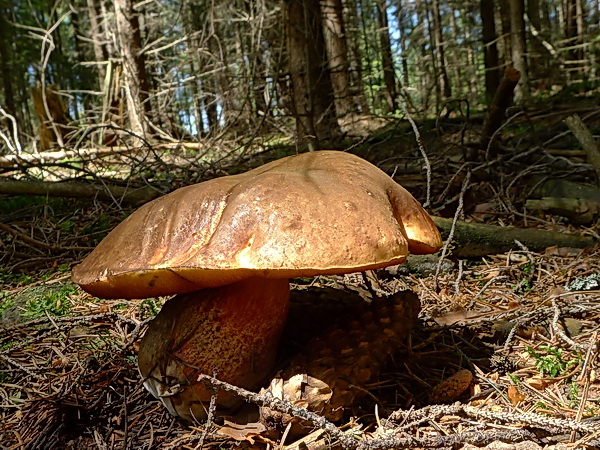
pixel 356 59
pixel 490 49
pixel 518 46
pixel 442 76
pixel 459 67
pixel 537 60
pixel 96 35
pixel 402 16
pixel 134 69
pixel 6 62
pixel 387 61
pixel 572 25
pixel 312 92
pixel 335 41
pixel 581 38
pixel 426 80
pixel 503 17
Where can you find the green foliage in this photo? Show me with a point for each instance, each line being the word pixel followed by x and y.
pixel 542 406
pixel 52 301
pixel 573 395
pixel 523 286
pixel 552 363
pixel 10 205
pixel 150 307
pixel 37 301
pixel 515 379
pixel 6 303
pixel 528 268
pixel 67 226
pixel 15 278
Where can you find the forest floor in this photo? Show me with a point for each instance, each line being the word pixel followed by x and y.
pixel 505 348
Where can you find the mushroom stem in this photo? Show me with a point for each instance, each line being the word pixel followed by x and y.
pixel 232 331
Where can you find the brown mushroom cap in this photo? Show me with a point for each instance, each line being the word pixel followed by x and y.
pixel 324 212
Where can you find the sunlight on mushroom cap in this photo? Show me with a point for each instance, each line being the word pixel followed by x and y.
pixel 323 212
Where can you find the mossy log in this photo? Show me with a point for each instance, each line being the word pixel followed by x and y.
pixel 475 239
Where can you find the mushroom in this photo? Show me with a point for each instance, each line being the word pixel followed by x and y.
pixel 228 246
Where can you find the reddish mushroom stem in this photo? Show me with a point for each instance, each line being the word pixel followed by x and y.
pixel 233 330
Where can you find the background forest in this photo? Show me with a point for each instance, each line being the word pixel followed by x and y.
pixel 487 111
pixel 205 71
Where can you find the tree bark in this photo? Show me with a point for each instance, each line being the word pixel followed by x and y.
pixel 573 11
pixel 402 17
pixel 312 92
pixel 537 58
pixel 503 17
pixel 443 82
pixel 519 48
pixel 96 34
pixel 490 48
pixel 335 41
pixel 7 60
pixel 355 58
pixel 387 61
pixel 134 68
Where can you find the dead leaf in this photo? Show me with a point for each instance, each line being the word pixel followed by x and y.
pixel 514 395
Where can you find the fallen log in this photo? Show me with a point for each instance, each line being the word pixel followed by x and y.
pixel 559 187
pixel 120 194
pixel 581 211
pixel 476 239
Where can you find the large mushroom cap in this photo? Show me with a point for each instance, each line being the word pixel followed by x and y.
pixel 323 212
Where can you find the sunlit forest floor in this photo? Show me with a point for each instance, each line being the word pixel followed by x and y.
pixel 505 347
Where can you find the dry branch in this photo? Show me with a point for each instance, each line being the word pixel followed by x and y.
pixel 501 102
pixel 474 239
pixel 586 139
pixel 133 196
